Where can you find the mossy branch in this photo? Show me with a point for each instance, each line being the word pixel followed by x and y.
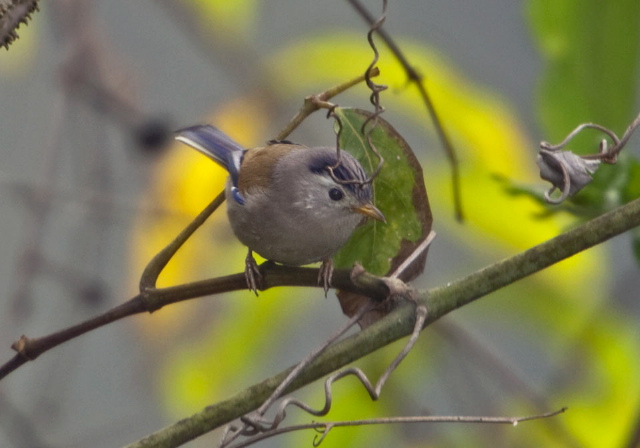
pixel 398 324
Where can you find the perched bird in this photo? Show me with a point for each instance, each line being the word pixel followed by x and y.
pixel 289 203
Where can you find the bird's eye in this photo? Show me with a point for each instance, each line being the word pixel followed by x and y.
pixel 335 194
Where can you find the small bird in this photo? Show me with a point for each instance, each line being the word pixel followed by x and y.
pixel 289 203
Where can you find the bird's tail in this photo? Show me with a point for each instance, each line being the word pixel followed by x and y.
pixel 216 145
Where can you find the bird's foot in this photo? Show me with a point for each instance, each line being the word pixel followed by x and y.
pixel 252 273
pixel 325 274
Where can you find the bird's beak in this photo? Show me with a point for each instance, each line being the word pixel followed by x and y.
pixel 369 210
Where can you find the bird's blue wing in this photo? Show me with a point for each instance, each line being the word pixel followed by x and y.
pixel 216 145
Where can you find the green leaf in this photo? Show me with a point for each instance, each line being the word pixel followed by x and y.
pixel 399 193
pixel 591 52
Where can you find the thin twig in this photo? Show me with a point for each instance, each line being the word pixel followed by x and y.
pixel 316 102
pixel 414 255
pixel 417 79
pixel 374 392
pixel 150 274
pixel 254 423
pixel 313 355
pixel 376 89
pixel 372 119
pixel 231 432
pixel 327 426
pixel 482 355
pixel 606 154
pixel 576 131
pixel 627 135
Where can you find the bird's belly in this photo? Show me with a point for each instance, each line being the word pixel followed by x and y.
pixel 291 244
pixel 288 241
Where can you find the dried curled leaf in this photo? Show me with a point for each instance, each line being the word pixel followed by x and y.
pixel 12 15
pixel 566 171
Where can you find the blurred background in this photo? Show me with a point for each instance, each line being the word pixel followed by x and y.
pixel 91 187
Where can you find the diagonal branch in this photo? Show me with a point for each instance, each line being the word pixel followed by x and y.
pixel 398 324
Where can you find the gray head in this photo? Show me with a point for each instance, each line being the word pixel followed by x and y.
pixel 342 196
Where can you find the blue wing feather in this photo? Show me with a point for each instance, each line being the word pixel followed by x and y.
pixel 218 146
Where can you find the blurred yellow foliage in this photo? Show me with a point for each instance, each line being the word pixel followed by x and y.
pixel 227 19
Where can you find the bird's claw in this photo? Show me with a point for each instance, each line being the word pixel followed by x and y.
pixel 252 273
pixel 325 274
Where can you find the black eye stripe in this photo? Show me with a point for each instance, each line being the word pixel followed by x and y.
pixel 336 194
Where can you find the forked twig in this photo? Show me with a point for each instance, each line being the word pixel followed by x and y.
pixel 157 264
pixel 313 103
pixel 258 431
pixel 254 420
